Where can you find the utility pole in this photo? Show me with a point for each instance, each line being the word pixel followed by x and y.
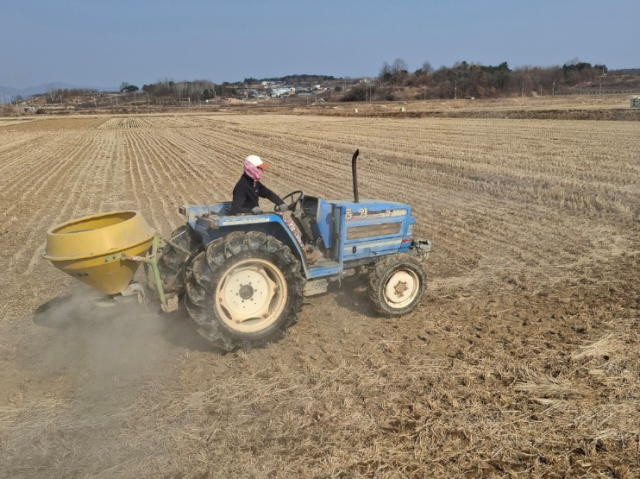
pixel 553 91
pixel 455 89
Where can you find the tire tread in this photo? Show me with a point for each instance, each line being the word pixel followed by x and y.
pixel 201 287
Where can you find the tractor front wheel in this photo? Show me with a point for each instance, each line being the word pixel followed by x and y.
pixel 396 285
pixel 244 290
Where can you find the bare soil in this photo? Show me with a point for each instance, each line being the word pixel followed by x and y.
pixel 521 361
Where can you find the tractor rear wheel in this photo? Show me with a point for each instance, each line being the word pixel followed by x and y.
pixel 172 262
pixel 396 285
pixel 244 290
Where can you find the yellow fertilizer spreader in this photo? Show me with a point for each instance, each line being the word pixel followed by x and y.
pixel 105 250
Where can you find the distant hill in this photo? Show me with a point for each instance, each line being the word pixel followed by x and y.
pixel 6 92
pixel 296 78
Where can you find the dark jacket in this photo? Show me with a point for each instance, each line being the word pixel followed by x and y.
pixel 245 195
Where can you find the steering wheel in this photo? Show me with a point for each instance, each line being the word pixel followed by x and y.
pixel 294 201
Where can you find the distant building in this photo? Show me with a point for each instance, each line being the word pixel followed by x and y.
pixel 280 92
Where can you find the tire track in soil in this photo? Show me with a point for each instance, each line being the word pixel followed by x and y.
pixel 312 179
pixel 198 174
pixel 30 205
pixel 113 171
pixel 166 177
pixel 33 163
pixel 141 179
pixel 237 150
pixel 76 201
pixel 228 169
pixel 464 154
pixel 51 181
pixel 129 183
pixel 151 166
pixel 205 185
pixel 181 167
pixel 98 178
pixel 172 172
pixel 9 151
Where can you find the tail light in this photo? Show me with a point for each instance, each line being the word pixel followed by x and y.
pixel 209 223
pixel 409 237
pixel 182 210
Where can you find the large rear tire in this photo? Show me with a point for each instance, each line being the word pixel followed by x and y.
pixel 172 262
pixel 396 285
pixel 244 291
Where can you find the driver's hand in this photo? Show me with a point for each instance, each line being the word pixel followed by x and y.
pixel 257 210
pixel 282 208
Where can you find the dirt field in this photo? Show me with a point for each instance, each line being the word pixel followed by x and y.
pixel 614 107
pixel 522 361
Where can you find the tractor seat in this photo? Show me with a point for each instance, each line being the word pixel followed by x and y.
pixel 305 227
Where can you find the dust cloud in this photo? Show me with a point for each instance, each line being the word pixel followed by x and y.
pixel 79 369
pixel 107 342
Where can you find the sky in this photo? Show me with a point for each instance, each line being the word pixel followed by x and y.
pixel 104 43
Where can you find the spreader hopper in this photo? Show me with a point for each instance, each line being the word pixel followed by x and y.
pixel 84 248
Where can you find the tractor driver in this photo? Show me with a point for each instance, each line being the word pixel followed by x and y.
pixel 246 195
pixel 249 189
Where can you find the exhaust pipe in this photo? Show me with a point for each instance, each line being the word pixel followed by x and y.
pixel 355 176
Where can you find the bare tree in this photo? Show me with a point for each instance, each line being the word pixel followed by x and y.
pixel 399 70
pixel 52 94
pixel 398 66
pixel 385 74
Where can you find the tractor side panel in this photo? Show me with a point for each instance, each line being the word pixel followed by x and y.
pixel 376 230
pixel 325 222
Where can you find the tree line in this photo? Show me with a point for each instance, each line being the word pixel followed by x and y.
pixel 292 79
pixel 58 95
pixel 164 91
pixel 474 80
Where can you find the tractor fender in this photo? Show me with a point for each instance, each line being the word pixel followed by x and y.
pixel 269 224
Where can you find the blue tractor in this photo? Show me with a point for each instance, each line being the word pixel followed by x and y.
pixel 243 278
